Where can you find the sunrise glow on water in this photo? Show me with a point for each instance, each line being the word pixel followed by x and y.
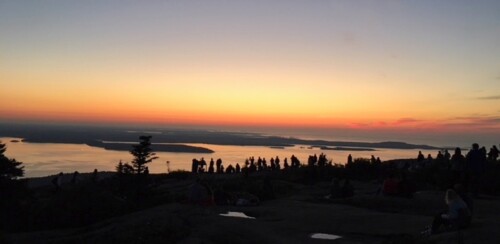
pixel 42 159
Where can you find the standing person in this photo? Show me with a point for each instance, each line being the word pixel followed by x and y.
pixel 194 166
pixel 211 166
pixel 475 166
pixel 420 157
pixel 493 154
pixel 457 166
pixel 218 164
pixel 202 166
pixel 95 176
pixel 74 179
pixel 56 181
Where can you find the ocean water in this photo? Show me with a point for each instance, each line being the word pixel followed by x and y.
pixel 42 159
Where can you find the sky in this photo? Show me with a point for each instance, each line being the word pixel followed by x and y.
pixel 393 67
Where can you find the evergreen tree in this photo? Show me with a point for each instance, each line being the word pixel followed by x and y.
pixel 124 168
pixel 119 168
pixel 143 154
pixel 9 168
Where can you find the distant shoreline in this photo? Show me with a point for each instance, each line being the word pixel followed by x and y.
pixel 347 149
pixel 177 138
pixel 177 148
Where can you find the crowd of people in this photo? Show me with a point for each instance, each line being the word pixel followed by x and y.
pixel 463 174
pixel 466 177
pixel 251 165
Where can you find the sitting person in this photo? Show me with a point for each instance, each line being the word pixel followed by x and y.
pixel 458 215
pixel 200 194
pixel 390 187
pixel 462 193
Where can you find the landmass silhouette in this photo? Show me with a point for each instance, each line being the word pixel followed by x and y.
pixel 114 138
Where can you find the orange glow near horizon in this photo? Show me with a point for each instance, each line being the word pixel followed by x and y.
pixel 310 66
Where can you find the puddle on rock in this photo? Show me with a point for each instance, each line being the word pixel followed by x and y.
pixel 325 236
pixel 237 215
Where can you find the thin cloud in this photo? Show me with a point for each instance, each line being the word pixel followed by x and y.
pixel 359 124
pixel 497 97
pixel 489 120
pixel 407 120
pixel 473 121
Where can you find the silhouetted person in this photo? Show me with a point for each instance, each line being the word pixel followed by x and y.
pixel 57 181
pixel 457 166
pixel 74 179
pixel 349 159
pixel 218 165
pixel 441 161
pixel 194 166
pixel 295 162
pixel 285 164
pixel 95 176
pixel 211 166
pixel 237 168
pixel 322 160
pixel 202 165
pixel 373 160
pixel 146 171
pixel 440 156
pixel 493 154
pixel 230 169
pixel 420 157
pixel 483 152
pixel 390 187
pixel 258 165
pixel 447 155
pixel 245 170
pixel 475 166
pixel 277 163
pixel 252 168
pixel 311 161
pixel 429 158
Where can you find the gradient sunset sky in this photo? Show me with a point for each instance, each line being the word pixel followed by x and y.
pixel 360 65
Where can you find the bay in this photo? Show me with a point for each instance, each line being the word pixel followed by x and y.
pixel 42 159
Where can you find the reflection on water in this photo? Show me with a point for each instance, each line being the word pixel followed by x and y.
pixel 237 215
pixel 325 236
pixel 41 159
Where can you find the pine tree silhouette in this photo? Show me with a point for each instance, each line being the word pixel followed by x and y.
pixel 143 154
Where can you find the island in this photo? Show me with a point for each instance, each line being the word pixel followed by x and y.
pixel 177 148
